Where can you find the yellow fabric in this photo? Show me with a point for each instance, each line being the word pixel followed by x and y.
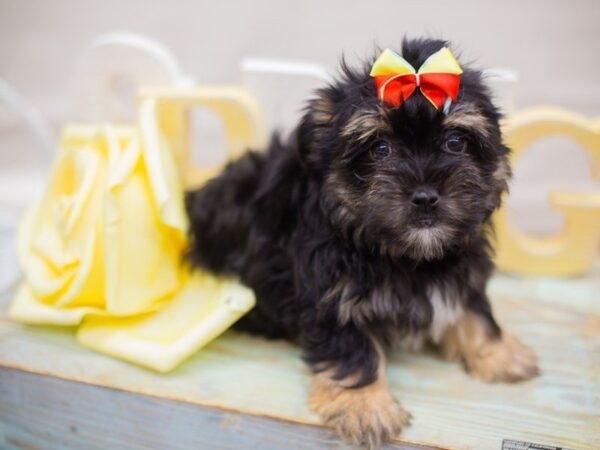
pixel 197 314
pixel 104 246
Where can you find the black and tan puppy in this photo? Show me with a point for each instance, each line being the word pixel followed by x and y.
pixel 369 228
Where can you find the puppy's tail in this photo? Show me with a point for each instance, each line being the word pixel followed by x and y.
pixel 220 215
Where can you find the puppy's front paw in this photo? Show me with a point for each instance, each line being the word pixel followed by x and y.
pixel 503 360
pixel 366 416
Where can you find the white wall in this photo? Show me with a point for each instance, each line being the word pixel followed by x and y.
pixel 553 45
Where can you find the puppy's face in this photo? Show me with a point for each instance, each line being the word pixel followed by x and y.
pixel 412 181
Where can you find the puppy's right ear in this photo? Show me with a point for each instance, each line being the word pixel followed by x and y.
pixel 317 130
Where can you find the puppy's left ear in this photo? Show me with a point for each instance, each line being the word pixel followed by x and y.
pixel 502 173
pixel 500 177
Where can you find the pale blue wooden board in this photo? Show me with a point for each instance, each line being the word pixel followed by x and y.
pixel 266 380
pixel 41 412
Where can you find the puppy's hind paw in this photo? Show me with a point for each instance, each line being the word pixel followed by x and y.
pixel 506 360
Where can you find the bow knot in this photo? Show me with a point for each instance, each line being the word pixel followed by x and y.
pixel 396 79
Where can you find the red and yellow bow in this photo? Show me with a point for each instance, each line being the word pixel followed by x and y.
pixel 438 78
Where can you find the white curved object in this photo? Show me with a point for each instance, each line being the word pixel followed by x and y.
pixel 32 117
pixel 282 86
pixel 115 66
pixel 502 75
pixel 285 67
pixel 147 45
pixel 12 195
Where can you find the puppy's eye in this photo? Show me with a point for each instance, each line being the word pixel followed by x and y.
pixel 382 149
pixel 455 143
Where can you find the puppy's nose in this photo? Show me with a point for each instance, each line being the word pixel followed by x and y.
pixel 425 197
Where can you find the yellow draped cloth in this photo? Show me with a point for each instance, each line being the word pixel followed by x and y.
pixel 102 250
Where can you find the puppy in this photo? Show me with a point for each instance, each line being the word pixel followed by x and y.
pixel 369 227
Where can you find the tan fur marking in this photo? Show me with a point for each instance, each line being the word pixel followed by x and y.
pixel 365 123
pixel 469 117
pixel 506 359
pixel 364 416
pixel 322 111
pixel 502 172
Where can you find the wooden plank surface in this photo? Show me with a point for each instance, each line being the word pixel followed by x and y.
pixel 44 412
pixel 253 378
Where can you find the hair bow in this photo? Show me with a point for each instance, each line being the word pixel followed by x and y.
pixel 396 79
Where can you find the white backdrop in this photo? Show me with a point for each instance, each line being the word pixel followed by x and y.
pixel 552 44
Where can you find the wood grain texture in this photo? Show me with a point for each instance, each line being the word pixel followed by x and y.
pixel 43 412
pixel 258 380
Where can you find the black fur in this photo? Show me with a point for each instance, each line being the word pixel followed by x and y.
pixel 323 229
